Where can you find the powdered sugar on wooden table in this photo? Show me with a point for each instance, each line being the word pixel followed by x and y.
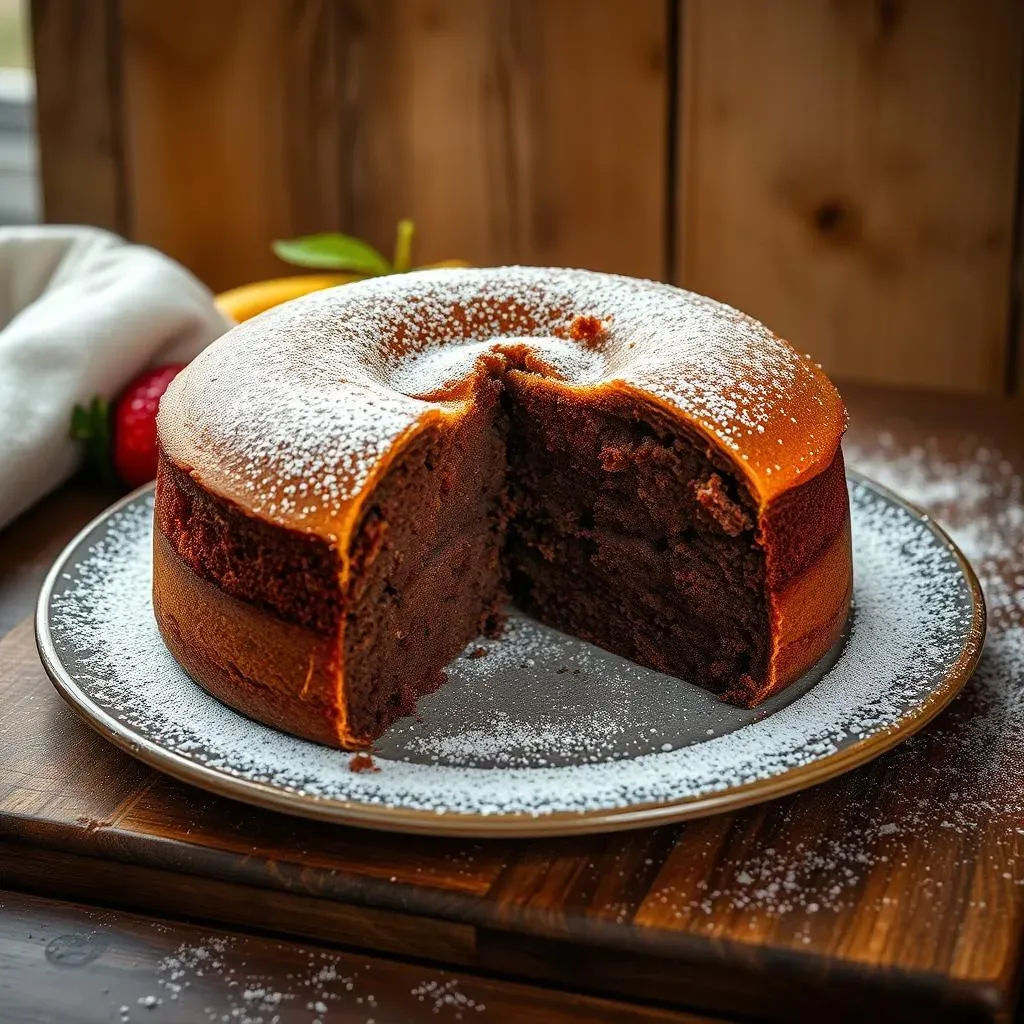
pixel 545 749
pixel 213 980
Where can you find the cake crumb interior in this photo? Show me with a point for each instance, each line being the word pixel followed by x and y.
pixel 595 518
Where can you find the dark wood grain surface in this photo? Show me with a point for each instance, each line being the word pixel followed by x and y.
pixel 63 962
pixel 893 891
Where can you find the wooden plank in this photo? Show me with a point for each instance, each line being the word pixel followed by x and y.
pixel 34 540
pixel 849 178
pixel 1015 360
pixel 76 46
pixel 223 902
pixel 1018 379
pixel 231 135
pixel 72 964
pixel 526 132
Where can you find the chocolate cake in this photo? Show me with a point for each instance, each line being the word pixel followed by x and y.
pixel 352 486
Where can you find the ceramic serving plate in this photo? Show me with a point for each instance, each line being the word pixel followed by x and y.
pixel 535 733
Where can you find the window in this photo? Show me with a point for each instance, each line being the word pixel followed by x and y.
pixel 19 178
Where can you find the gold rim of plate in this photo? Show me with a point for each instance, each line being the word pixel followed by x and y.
pixel 563 823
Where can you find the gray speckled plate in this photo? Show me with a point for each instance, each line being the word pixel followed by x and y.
pixel 538 733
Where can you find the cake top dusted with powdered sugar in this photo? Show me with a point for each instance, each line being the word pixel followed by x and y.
pixel 292 414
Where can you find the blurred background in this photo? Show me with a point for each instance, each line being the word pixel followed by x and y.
pixel 847 171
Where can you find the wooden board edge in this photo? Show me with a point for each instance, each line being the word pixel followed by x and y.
pixel 151 890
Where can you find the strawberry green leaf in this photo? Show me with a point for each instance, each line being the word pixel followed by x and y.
pixel 91 425
pixel 332 252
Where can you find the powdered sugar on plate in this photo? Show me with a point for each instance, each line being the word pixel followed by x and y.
pixel 551 749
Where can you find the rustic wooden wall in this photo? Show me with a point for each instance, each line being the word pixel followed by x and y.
pixel 844 169
pixel 78 57
pixel 850 177
pixel 508 131
pixel 524 130
pixel 231 137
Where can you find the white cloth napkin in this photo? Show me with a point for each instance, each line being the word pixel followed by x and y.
pixel 81 313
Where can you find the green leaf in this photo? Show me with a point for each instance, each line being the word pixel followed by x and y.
pixel 91 425
pixel 332 252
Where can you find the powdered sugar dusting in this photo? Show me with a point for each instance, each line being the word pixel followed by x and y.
pixel 247 997
pixel 912 618
pixel 288 471
pixel 289 413
pixel 446 995
pixel 232 979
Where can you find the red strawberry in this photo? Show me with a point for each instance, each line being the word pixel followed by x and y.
pixel 131 454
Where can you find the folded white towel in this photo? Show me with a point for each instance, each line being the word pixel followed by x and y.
pixel 81 313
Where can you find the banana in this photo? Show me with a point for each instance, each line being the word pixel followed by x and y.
pixel 248 300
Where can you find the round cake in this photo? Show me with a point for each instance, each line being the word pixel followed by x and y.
pixel 352 486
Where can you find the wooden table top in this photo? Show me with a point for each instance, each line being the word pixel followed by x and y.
pixel 65 961
pixel 896 889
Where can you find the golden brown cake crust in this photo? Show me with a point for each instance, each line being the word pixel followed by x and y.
pixel 249 658
pixel 286 428
pixel 292 415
